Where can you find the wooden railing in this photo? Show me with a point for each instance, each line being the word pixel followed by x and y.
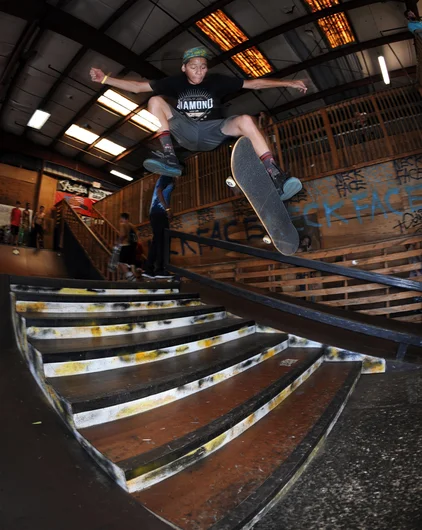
pixel 95 249
pixel 400 257
pixel 368 129
pixel 103 229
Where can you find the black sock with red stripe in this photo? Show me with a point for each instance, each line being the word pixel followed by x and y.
pixel 166 142
pixel 268 160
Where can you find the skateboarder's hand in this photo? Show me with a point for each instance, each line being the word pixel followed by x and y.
pixel 97 75
pixel 300 85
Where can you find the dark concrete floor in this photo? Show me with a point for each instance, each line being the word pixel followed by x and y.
pixel 368 475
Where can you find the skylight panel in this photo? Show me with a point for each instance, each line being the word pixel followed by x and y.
pixel 336 27
pixel 110 147
pixel 81 134
pixel 146 120
pixel 224 32
pixel 115 101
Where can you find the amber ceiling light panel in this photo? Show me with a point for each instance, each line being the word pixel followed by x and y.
pixel 335 27
pixel 224 32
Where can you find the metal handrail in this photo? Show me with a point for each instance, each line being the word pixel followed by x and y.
pixel 331 268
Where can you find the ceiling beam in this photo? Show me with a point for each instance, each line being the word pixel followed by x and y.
pixel 332 55
pixel 322 94
pixel 75 29
pixel 288 26
pixel 18 50
pixel 74 61
pixel 20 63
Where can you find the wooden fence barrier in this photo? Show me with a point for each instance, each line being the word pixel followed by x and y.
pixel 400 257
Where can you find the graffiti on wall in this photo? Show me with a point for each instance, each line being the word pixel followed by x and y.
pixel 384 189
pixel 390 191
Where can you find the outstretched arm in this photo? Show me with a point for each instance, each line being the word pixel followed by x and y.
pixel 257 84
pixel 99 76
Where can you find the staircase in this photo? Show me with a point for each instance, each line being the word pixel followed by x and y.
pixel 96 241
pixel 203 417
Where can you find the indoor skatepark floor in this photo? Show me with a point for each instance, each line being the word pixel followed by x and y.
pixel 32 262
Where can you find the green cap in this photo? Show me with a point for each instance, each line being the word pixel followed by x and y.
pixel 199 51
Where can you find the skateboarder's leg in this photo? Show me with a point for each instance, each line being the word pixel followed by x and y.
pixel 245 125
pixel 165 163
pixel 182 129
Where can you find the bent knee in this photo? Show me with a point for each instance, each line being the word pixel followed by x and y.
pixel 246 122
pixel 156 101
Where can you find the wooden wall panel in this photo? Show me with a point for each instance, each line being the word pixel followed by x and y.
pixel 17 185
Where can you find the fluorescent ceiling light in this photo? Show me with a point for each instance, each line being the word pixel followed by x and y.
pixel 110 147
pixel 384 69
pixel 147 120
pixel 115 101
pixel 81 134
pixel 38 119
pixel 121 175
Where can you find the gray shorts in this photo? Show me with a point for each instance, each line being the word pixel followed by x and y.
pixel 197 135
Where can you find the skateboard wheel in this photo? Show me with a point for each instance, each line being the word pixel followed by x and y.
pixel 266 240
pixel 231 183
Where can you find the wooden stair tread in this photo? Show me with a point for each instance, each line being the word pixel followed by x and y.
pixel 101 389
pixel 144 433
pixel 70 283
pixel 203 494
pixel 133 342
pixel 102 299
pixel 115 317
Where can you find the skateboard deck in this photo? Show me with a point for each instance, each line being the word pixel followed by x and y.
pixel 114 258
pixel 252 178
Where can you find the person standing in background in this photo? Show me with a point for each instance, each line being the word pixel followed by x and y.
pixel 37 234
pixel 414 23
pixel 160 216
pixel 128 240
pixel 25 225
pixel 15 222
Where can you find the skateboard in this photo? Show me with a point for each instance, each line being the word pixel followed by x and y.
pixel 252 178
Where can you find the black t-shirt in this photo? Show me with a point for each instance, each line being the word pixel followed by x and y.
pixel 198 102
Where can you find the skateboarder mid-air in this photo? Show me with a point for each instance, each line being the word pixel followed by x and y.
pixel 197 123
